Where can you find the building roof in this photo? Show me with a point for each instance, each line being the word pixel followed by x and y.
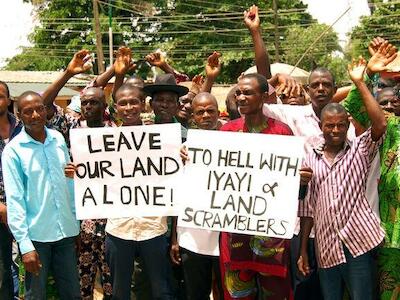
pixel 17 88
pixel 46 77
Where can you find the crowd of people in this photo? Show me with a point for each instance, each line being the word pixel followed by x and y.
pixel 347 239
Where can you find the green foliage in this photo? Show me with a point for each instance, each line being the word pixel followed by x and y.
pixel 187 30
pixel 325 52
pixel 384 22
pixel 299 39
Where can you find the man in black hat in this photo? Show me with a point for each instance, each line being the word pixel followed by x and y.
pixel 165 95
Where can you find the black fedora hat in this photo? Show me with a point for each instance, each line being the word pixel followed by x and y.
pixel 165 83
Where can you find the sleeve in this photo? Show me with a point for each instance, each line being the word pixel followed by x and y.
pixel 306 206
pixel 70 181
pixel 275 111
pixel 355 106
pixel 368 146
pixel 16 204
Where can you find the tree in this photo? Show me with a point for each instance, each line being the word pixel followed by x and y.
pixel 187 30
pixel 325 53
pixel 384 22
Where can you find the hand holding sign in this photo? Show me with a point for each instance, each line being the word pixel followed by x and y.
pixel 241 190
pixel 126 171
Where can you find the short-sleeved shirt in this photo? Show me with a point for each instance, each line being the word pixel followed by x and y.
pixel 337 201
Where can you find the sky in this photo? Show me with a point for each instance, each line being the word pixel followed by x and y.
pixel 16 21
pixel 15 25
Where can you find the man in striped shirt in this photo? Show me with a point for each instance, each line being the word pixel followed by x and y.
pixel 346 228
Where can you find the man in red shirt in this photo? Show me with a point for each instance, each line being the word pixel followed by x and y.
pixel 258 266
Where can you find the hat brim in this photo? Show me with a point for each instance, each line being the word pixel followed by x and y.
pixel 155 88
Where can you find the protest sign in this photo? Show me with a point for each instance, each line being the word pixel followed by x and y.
pixel 126 171
pixel 241 182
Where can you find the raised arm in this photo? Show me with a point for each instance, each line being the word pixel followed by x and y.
pixel 385 54
pixel 104 78
pixel 378 122
pixel 213 69
pixel 252 22
pixel 157 59
pixel 122 65
pixel 341 94
pixel 80 63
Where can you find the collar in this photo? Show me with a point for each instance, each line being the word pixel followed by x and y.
pixel 319 148
pixel 158 121
pixel 309 112
pixel 15 125
pixel 25 138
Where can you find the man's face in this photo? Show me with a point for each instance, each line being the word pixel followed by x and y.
pixel 389 101
pixel 185 106
pixel 249 98
pixel 129 105
pixel 321 89
pixel 334 127
pixel 93 104
pixel 205 113
pixel 4 101
pixel 165 105
pixel 32 113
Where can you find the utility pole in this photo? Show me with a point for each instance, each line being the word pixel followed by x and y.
pixel 99 44
pixel 110 34
pixel 276 33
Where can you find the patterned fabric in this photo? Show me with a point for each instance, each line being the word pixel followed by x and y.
pixel 247 259
pixel 91 259
pixel 389 185
pixel 92 251
pixel 336 201
pixel 15 128
pixel 389 198
pixel 243 285
pixel 59 122
pixel 388 272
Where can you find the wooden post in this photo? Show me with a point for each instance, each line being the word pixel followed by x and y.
pixel 99 44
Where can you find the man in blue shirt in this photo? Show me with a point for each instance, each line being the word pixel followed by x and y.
pixel 40 205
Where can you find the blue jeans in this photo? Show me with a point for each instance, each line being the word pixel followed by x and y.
pixel 153 253
pixel 60 258
pixel 356 273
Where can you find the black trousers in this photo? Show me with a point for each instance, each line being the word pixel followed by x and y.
pixel 6 281
pixel 198 273
pixel 305 288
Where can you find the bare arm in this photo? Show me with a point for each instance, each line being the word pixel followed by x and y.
pixel 213 69
pixel 80 63
pixel 341 94
pixel 252 21
pixel 174 251
pixel 123 64
pixel 104 78
pixel 306 224
pixel 158 60
pixel 378 121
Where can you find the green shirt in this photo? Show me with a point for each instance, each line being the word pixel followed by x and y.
pixel 389 184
